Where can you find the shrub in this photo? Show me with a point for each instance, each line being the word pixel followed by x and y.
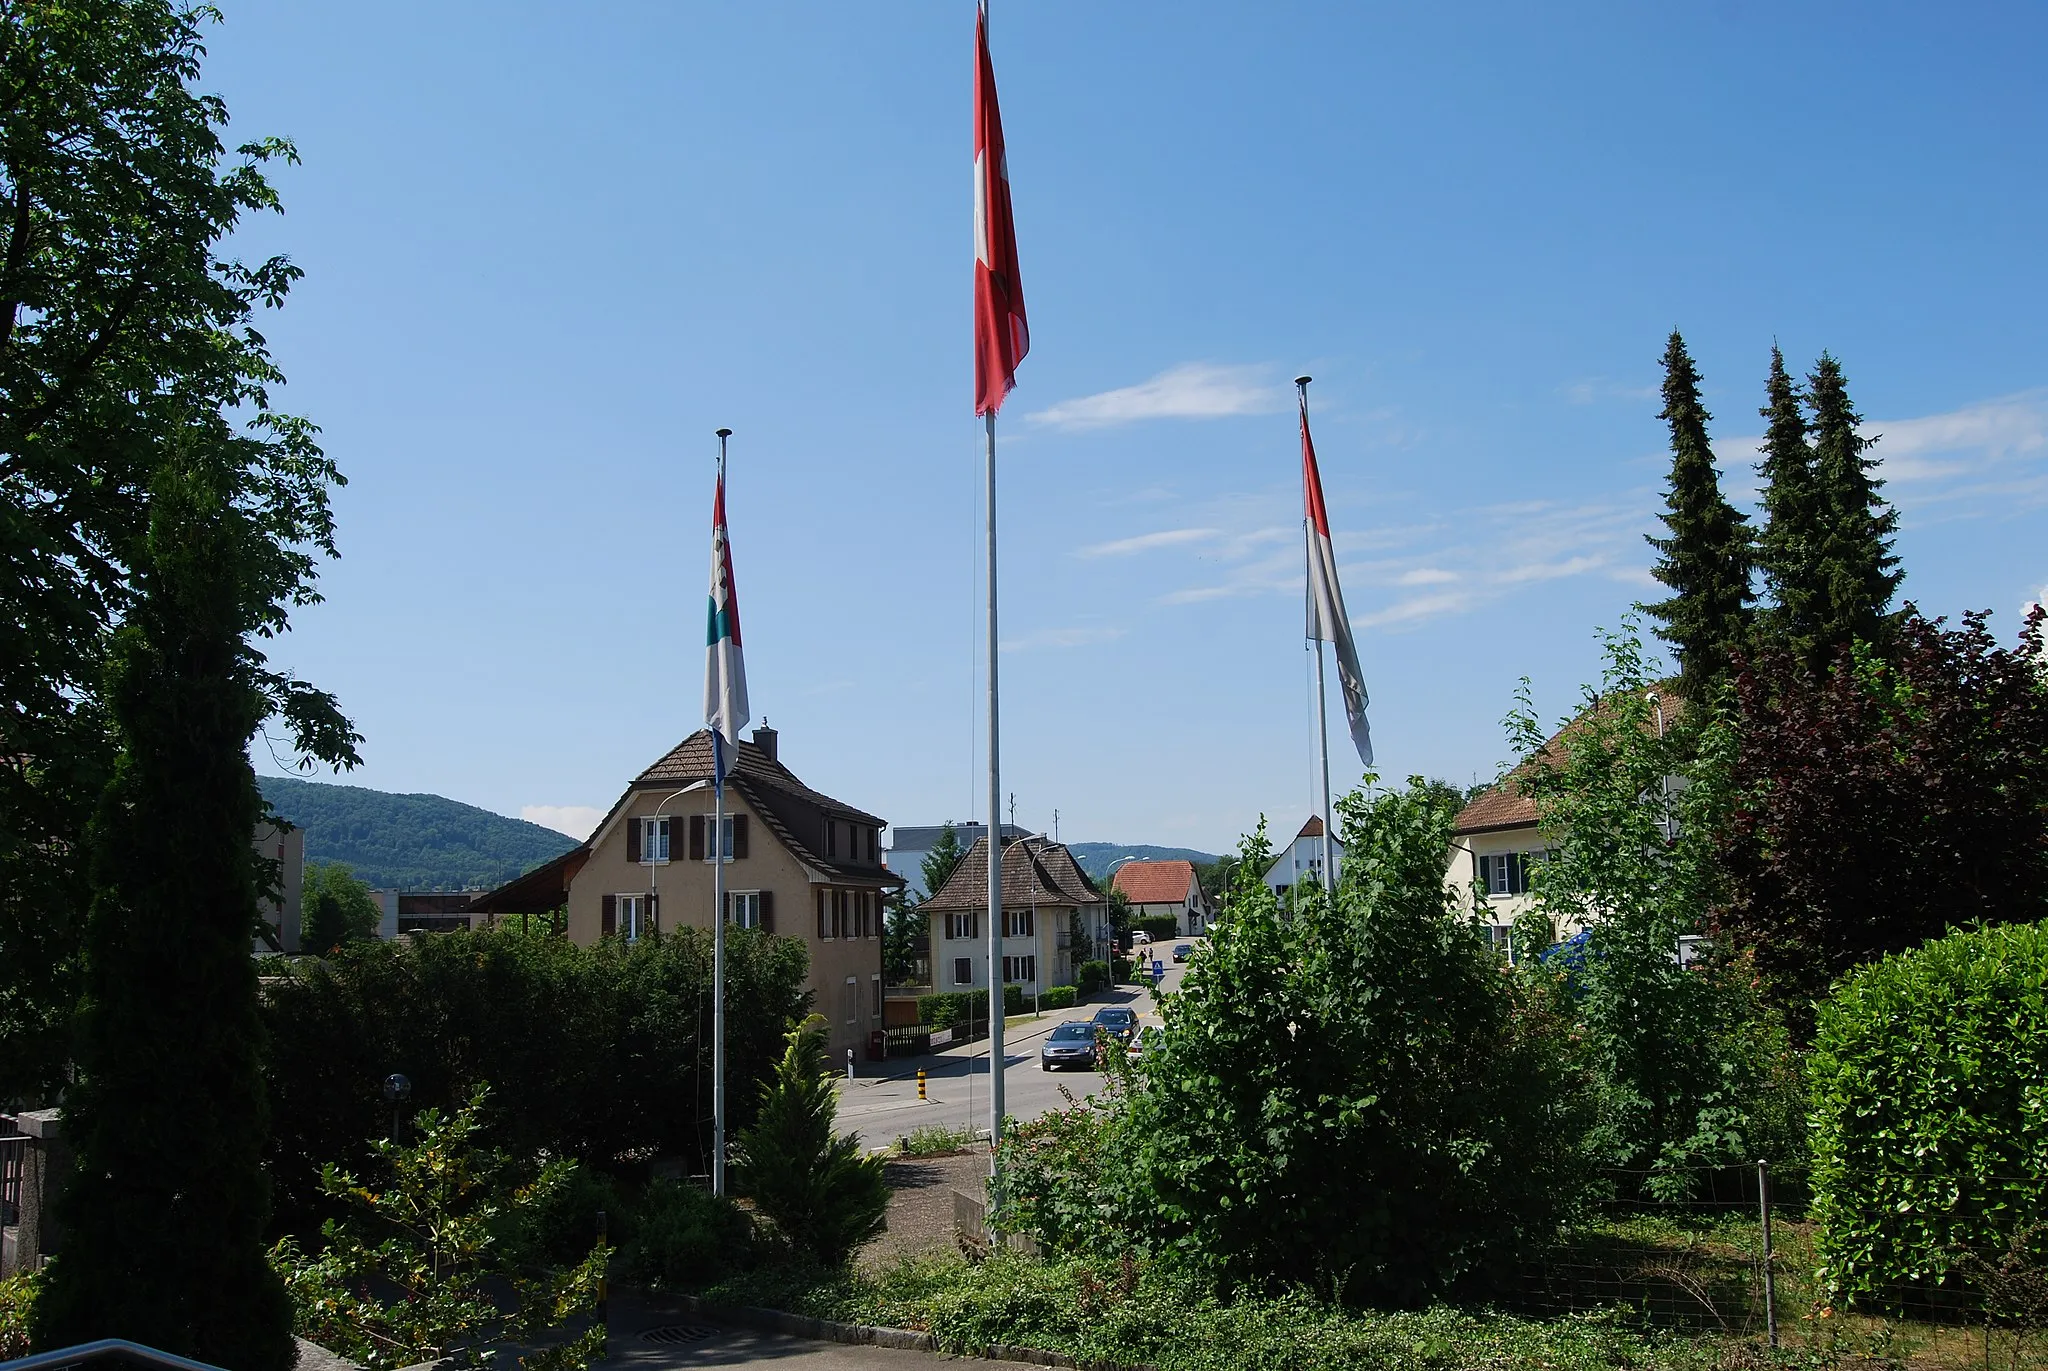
pixel 1930 1119
pixel 601 1054
pixel 822 1195
pixel 1120 970
pixel 1013 1000
pixel 1159 925
pixel 953 1008
pixel 1093 976
pixel 1056 997
pixel 17 1304
pixel 934 1140
pixel 684 1236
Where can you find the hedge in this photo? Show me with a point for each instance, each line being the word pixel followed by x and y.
pixel 1056 997
pixel 1159 925
pixel 598 1053
pixel 1929 1083
pixel 1093 976
pixel 952 1007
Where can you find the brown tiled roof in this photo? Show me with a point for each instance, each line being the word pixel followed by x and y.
pixel 1313 828
pixel 540 891
pixel 1036 870
pixel 690 760
pixel 1505 806
pixel 1155 882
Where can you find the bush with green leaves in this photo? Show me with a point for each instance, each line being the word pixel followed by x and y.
pixel 953 1008
pixel 684 1236
pixel 1056 997
pixel 420 1268
pixel 1092 976
pixel 336 908
pixel 934 1139
pixel 601 1054
pixel 1930 1112
pixel 1158 926
pixel 17 1306
pixel 1354 1098
pixel 823 1196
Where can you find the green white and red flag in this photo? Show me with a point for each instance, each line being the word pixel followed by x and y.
pixel 1327 620
pixel 725 671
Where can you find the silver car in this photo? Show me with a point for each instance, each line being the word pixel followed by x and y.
pixel 1069 1045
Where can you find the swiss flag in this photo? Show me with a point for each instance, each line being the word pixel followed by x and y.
pixel 1001 337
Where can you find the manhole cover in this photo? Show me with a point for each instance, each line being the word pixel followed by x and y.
pixel 679 1332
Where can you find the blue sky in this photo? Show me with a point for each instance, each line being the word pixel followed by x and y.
pixel 549 250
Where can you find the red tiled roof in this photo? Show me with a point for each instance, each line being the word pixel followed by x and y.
pixel 1505 806
pixel 1036 871
pixel 1155 882
pixel 1313 828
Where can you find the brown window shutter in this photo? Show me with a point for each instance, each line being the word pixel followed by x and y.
pixel 739 837
pixel 608 920
pixel 726 911
pixel 821 916
pixel 696 837
pixel 632 840
pixel 767 911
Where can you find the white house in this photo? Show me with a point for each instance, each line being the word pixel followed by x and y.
pixel 1156 889
pixel 1303 857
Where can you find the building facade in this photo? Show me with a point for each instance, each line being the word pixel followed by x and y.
pixel 1303 858
pixel 909 846
pixel 1054 918
pixel 1158 889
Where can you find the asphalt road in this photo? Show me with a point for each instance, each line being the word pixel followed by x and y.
pixel 883 1106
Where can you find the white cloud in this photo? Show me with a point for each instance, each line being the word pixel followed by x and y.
pixel 1411 612
pixel 1193 390
pixel 1145 542
pixel 1061 638
pixel 575 820
pixel 1426 576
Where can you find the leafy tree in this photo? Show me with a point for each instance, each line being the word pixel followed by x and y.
pixel 335 908
pixel 1121 920
pixel 1790 546
pixel 1706 560
pixel 819 1191
pixel 433 1236
pixel 906 938
pixel 946 854
pixel 124 328
pixel 1856 549
pixel 1354 1098
pixel 1880 804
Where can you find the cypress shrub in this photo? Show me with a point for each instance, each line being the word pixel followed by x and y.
pixel 1930 1112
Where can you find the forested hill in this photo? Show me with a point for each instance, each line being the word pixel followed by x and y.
pixel 1096 857
pixel 411 842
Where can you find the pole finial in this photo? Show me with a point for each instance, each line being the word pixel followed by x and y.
pixel 725 433
pixel 1303 381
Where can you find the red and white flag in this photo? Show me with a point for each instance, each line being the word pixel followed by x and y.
pixel 1001 337
pixel 1327 621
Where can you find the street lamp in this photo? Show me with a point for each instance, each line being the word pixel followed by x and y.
pixel 397 1089
pixel 653 866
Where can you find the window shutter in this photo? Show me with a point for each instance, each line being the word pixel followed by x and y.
pixel 608 920
pixel 767 911
pixel 696 837
pixel 821 914
pixel 632 840
pixel 739 837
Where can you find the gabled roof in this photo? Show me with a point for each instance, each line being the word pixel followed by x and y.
pixel 1312 829
pixel 1504 806
pixel 690 760
pixel 540 891
pixel 1155 882
pixel 1036 870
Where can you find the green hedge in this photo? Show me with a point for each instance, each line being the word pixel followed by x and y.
pixel 1930 1113
pixel 1120 971
pixel 1056 997
pixel 952 1008
pixel 598 1053
pixel 1159 925
pixel 1093 976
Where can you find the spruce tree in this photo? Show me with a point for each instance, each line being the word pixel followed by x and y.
pixel 1856 560
pixel 1706 560
pixel 1789 546
pixel 165 1213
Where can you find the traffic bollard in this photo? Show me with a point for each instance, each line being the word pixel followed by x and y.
pixel 849 1063
pixel 920 1085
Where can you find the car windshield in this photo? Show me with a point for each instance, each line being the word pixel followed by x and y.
pixel 1068 1032
pixel 1116 1016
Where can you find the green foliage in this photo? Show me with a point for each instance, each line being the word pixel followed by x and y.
pixel 1122 970
pixel 1857 563
pixel 1354 1099
pixel 411 842
pixel 1092 976
pixel 1930 1111
pixel 1056 997
pixel 685 1236
pixel 601 1054
pixel 1158 926
pixel 953 1008
pixel 939 863
pixel 335 908
pixel 1013 1000
pixel 906 938
pixel 164 1216
pixel 1791 544
pixel 823 1196
pixel 1706 560
pixel 1065 1173
pixel 17 1311
pixel 433 1237
pixel 934 1139
pixel 1680 1053
pixel 128 336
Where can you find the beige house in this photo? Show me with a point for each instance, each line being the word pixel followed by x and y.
pixel 798 863
pixel 1044 889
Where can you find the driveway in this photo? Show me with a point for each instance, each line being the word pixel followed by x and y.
pixel 687 1340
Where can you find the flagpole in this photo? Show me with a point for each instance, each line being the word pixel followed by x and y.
pixel 995 849
pixel 1322 709
pixel 718 918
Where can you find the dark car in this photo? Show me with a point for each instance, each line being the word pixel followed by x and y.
pixel 1119 1021
pixel 1181 950
pixel 1071 1044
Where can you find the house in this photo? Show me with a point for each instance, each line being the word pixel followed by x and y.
pixel 1046 895
pixel 1303 857
pixel 798 863
pixel 1156 889
pixel 286 846
pixel 908 847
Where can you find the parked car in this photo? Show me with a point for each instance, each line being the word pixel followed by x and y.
pixel 1071 1044
pixel 1146 1041
pixel 1181 950
pixel 1119 1021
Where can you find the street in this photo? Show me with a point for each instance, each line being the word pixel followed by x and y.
pixel 883 1106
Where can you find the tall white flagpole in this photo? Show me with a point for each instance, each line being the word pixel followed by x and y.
pixel 995 845
pixel 1322 708
pixel 718 918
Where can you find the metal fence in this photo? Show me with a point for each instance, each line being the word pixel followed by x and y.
pixel 1732 1252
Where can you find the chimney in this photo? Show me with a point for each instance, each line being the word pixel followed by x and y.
pixel 764 738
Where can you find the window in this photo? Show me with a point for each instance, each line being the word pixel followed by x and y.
pixel 963 926
pixel 707 820
pixel 874 840
pixel 852 1001
pixel 831 838
pixel 653 841
pixel 1018 923
pixel 875 980
pixel 744 908
pixel 1507 873
pixel 632 916
pixel 963 971
pixel 1020 969
pixel 840 928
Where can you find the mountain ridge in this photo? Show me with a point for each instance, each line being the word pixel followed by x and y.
pixel 415 841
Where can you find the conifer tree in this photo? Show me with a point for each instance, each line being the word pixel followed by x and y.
pixel 1706 560
pixel 1856 558
pixel 1789 546
pixel 165 1213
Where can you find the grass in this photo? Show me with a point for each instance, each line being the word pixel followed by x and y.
pixel 934 1140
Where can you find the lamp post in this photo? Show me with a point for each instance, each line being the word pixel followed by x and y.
pixel 653 864
pixel 397 1089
